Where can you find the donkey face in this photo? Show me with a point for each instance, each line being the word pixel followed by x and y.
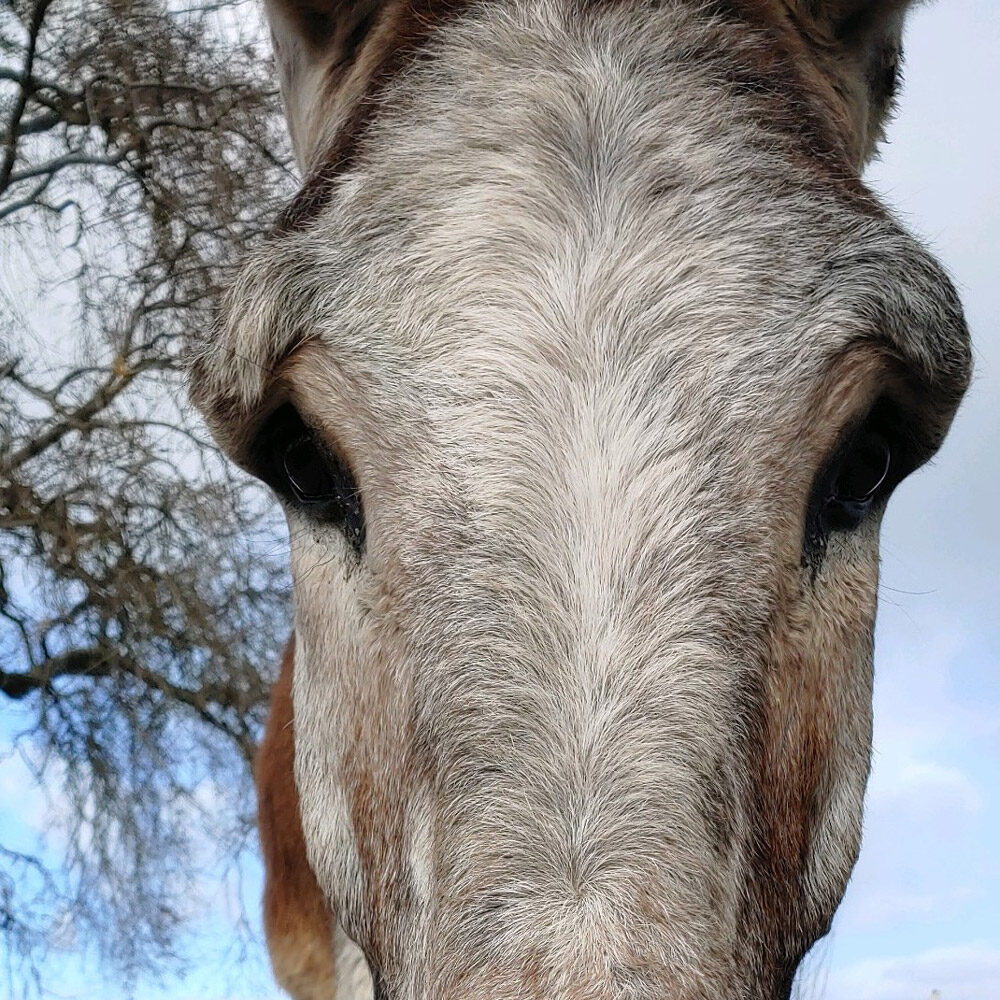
pixel 585 366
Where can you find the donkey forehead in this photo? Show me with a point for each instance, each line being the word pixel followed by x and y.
pixel 527 214
pixel 669 298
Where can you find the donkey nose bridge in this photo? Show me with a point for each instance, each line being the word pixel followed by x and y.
pixel 594 475
pixel 620 560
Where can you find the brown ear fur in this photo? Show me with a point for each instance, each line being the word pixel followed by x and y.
pixel 332 53
pixel 317 46
pixel 859 46
pixel 298 922
pixel 328 24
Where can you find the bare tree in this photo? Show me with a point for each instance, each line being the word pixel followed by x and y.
pixel 142 585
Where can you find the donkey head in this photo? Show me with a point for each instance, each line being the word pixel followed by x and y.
pixel 584 364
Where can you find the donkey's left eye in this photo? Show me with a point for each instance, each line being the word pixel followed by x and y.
pixel 858 485
pixel 857 479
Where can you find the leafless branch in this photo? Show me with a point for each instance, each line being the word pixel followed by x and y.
pixel 143 591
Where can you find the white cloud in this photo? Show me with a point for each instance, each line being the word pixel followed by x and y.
pixel 924 829
pixel 923 790
pixel 962 972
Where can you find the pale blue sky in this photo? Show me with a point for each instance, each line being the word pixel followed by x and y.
pixel 923 909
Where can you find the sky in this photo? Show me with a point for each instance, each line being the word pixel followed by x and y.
pixel 922 912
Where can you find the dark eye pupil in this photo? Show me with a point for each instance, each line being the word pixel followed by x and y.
pixel 307 471
pixel 864 471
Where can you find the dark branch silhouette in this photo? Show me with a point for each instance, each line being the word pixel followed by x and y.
pixel 143 592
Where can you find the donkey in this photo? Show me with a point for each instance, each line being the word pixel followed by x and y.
pixel 584 364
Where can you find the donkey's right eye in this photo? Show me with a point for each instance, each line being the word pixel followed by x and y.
pixel 295 462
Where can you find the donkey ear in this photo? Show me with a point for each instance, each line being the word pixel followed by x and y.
pixel 861 42
pixel 317 44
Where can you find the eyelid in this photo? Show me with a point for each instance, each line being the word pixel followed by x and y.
pixel 282 427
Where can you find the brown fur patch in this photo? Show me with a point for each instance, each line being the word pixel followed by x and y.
pixel 298 922
pixel 797 714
